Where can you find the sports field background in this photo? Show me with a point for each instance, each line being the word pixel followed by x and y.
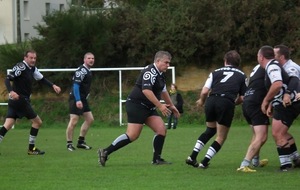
pixel 130 167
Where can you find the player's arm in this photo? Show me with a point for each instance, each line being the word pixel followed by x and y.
pixel 50 84
pixel 292 85
pixel 275 76
pixel 242 91
pixel 205 91
pixel 273 91
pixel 203 95
pixel 12 94
pixel 291 88
pixel 76 93
pixel 8 84
pixel 39 77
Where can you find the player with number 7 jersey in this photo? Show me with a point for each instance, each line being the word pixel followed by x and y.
pixel 223 89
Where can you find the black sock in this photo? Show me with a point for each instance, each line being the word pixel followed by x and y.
pixel 81 140
pixel 34 131
pixel 3 131
pixel 213 149
pixel 158 143
pixel 284 157
pixel 293 147
pixel 32 137
pixel 118 143
pixel 202 140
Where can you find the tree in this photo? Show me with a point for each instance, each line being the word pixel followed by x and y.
pixel 260 23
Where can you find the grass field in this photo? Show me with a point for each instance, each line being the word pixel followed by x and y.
pixel 130 168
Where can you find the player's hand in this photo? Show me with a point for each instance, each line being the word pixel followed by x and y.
pixel 79 105
pixel 175 111
pixel 199 103
pixel 286 101
pixel 56 89
pixel 163 108
pixel 298 96
pixel 270 111
pixel 13 95
pixel 264 106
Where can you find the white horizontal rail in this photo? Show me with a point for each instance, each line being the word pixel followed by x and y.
pixel 120 69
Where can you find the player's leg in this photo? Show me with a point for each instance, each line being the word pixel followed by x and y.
pixel 36 124
pixel 279 131
pixel 70 131
pixel 202 140
pixel 136 116
pixel 289 119
pixel 210 117
pixel 156 123
pixel 283 118
pixel 9 122
pixel 214 148
pixel 260 135
pixel 224 114
pixel 11 117
pixel 88 120
pixel 132 133
pixel 294 151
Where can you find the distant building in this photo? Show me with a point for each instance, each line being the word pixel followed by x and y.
pixel 17 17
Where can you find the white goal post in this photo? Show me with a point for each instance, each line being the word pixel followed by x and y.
pixel 120 69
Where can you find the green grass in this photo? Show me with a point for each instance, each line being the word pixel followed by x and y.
pixel 130 168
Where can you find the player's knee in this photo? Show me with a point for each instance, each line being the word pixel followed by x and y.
pixel 9 123
pixel 264 140
pixel 162 132
pixel 276 134
pixel 160 129
pixel 210 132
pixel 207 134
pixel 37 123
pixel 261 138
pixel 73 121
pixel 133 137
pixel 260 141
pixel 221 139
pixel 90 121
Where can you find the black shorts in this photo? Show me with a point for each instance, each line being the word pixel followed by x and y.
pixel 253 114
pixel 287 115
pixel 219 109
pixel 138 113
pixel 20 108
pixel 74 110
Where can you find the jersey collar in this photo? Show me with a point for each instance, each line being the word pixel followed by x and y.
pixel 26 64
pixel 86 67
pixel 270 62
pixel 157 68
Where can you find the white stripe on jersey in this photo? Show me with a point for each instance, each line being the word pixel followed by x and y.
pixel 37 75
pixel 274 72
pixel 209 81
